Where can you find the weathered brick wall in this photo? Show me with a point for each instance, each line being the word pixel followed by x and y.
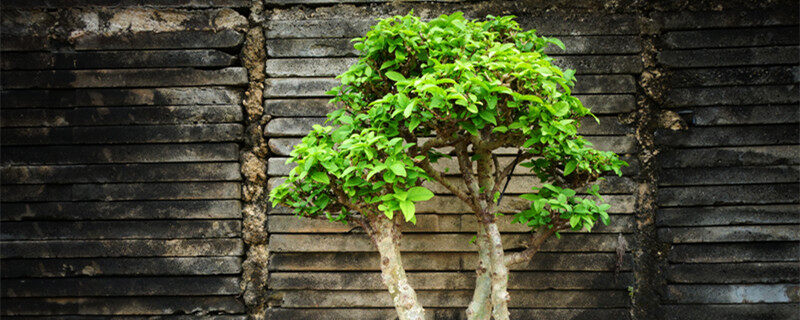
pixel 125 127
pixel 120 166
pixel 728 188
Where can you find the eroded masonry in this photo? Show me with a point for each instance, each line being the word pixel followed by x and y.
pixel 140 140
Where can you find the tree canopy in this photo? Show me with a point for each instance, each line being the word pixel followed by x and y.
pixel 449 79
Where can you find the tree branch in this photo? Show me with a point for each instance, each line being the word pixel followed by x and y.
pixel 509 169
pixel 465 166
pixel 535 243
pixel 344 199
pixel 436 175
pixel 497 170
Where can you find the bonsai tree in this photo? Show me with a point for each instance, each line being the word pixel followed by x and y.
pixel 457 89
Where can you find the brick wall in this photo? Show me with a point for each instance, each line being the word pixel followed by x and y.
pixel 120 167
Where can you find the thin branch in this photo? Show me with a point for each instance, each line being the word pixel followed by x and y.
pixel 436 175
pixel 426 165
pixel 344 199
pixel 535 242
pixel 506 173
pixel 496 170
pixel 465 166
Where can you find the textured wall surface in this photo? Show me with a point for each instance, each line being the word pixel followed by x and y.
pixel 120 160
pixel 138 137
pixel 728 187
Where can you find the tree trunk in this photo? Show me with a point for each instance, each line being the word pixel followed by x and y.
pixel 386 236
pixel 499 274
pixel 481 307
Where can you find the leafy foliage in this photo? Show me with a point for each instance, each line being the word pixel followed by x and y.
pixel 484 83
pixel 366 166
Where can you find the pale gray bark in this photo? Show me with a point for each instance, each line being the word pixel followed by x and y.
pixel 481 307
pixel 385 234
pixel 499 275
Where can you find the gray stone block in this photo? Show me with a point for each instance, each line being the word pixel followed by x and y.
pixel 732 115
pixel 734 273
pixel 735 252
pixel 740 293
pixel 120 116
pixel 682 20
pixel 140 286
pixel 729 234
pixel 116 59
pixel 729 215
pixel 731 156
pixel 114 78
pixel 730 136
pixel 142 229
pixel 122 248
pixel 143 153
pixel 720 38
pixel 120 97
pixel 733 76
pixel 123 134
pixel 122 210
pixel 118 306
pixel 121 191
pixel 162 172
pixel 729 195
pixel 730 57
pixel 182 266
pixel 728 175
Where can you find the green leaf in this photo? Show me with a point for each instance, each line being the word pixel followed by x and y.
pixel 530 196
pixel 388 64
pixel 539 204
pixel 604 218
pixel 413 124
pixel 320 177
pixel 529 142
pixel 569 74
pixel 561 109
pixel 342 133
pixel 409 108
pixel 398 168
pixel 417 194
pixel 396 76
pixel 488 116
pixel 556 42
pixel 570 166
pixel 502 129
pixel 470 107
pixel 408 209
pixel 401 195
pixel 322 201
pixel 469 127
pixel 574 220
pixel 375 170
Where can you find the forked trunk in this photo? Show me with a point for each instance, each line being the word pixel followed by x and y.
pixel 386 235
pixel 481 306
